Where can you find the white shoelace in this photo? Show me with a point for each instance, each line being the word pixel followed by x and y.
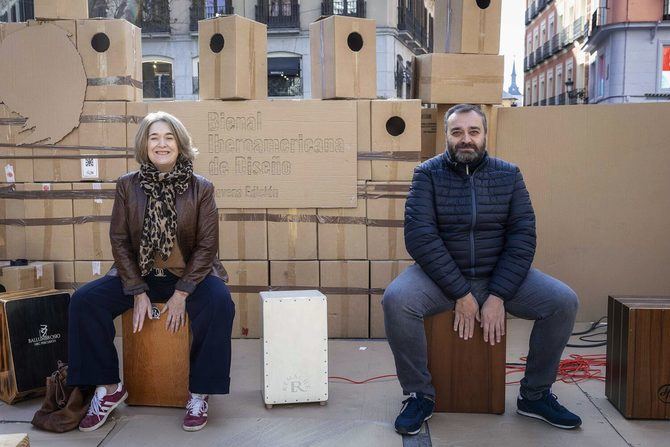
pixel 197 405
pixel 95 408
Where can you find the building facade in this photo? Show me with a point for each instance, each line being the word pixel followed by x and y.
pixel 170 39
pixel 555 66
pixel 629 44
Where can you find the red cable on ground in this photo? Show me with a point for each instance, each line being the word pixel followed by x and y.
pixel 575 368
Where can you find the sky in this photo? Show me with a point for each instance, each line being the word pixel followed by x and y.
pixel 512 31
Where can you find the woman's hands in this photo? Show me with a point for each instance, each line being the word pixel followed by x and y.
pixel 176 311
pixel 141 309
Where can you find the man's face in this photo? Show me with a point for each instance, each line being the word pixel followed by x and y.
pixel 466 138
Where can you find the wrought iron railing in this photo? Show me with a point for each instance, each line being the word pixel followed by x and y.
pixel 353 8
pixel 278 13
pixel 154 16
pixel 200 11
pixel 414 26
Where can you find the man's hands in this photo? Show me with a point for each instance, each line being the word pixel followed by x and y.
pixel 141 309
pixel 467 310
pixel 176 311
pixel 491 318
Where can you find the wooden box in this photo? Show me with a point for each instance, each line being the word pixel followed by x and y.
pixel 638 356
pixel 468 375
pixel 155 363
pixel 33 338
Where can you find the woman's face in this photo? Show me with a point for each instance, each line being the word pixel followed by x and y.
pixel 162 146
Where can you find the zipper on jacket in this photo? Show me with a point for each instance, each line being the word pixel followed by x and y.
pixel 473 196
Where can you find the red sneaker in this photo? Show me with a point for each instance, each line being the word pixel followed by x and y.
pixel 196 412
pixel 101 405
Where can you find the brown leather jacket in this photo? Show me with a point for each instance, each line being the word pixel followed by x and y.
pixel 197 233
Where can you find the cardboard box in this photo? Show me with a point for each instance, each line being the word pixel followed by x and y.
pixel 92 212
pixel 87 271
pixel 243 234
pixel 247 280
pixel 7 28
pixel 69 26
pixel 61 9
pixel 364 140
pixel 463 26
pixel 102 125
pixel 396 139
pixel 343 57
pixel 49 232
pixel 233 58
pixel 491 113
pixel 31 276
pixel 12 233
pixel 135 111
pixel 382 273
pixel 346 284
pixel 292 234
pixel 111 50
pixel 292 275
pixel 64 276
pixel 459 78
pixel 261 154
pixel 386 219
pixel 342 232
pixel 429 126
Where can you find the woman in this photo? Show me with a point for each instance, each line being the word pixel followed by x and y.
pixel 164 236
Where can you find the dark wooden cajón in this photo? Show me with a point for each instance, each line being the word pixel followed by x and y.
pixel 638 356
pixel 468 375
pixel 155 363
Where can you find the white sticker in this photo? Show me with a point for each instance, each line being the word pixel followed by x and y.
pixel 89 168
pixel 95 267
pixel 39 271
pixel 99 187
pixel 9 174
pixel 362 348
pixel 46 186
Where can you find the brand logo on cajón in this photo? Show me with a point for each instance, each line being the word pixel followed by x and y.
pixel 44 337
pixel 664 393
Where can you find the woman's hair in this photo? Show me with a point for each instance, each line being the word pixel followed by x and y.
pixel 183 138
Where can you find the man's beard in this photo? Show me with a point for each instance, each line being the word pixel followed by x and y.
pixel 466 157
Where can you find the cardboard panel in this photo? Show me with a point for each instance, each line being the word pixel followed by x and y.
pixel 87 271
pixel 102 125
pixel 52 239
pixel 243 234
pixel 364 140
pixel 12 234
pixel 386 218
pixel 61 9
pixel 345 283
pixel 598 178
pixel 91 237
pixel 463 26
pixel 64 276
pixel 292 234
pixel 457 78
pixel 342 232
pixel 35 274
pixel 233 58
pixel 37 94
pixel 429 127
pixel 247 279
pixel 396 139
pixel 382 273
pixel 343 58
pixel 294 274
pixel 111 50
pixel 261 154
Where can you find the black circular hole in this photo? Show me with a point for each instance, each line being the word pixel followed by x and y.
pixel 355 42
pixel 100 42
pixel 216 43
pixel 395 126
pixel 483 4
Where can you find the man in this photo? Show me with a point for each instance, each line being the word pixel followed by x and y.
pixel 470 227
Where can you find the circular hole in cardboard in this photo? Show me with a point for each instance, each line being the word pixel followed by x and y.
pixel 216 43
pixel 100 42
pixel 483 4
pixel 395 126
pixel 355 42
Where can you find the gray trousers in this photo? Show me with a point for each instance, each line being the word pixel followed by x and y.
pixel 413 295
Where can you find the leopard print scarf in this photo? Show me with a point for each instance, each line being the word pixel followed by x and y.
pixel 159 230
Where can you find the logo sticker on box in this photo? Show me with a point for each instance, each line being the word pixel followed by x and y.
pixel 89 168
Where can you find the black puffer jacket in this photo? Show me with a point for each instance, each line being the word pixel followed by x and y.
pixel 470 222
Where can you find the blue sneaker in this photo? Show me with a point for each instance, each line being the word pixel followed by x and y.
pixel 415 410
pixel 548 410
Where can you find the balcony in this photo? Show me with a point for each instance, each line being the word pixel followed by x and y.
pixel 560 99
pixel 546 50
pixel 533 10
pixel 550 100
pixel 279 14
pixel 154 16
pixel 543 102
pixel 412 29
pixel 541 4
pixel 526 67
pixel 528 18
pixel 538 55
pixel 201 11
pixel 579 28
pixel 531 60
pixel 555 47
pixel 352 8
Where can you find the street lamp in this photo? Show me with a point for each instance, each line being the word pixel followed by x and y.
pixel 575 94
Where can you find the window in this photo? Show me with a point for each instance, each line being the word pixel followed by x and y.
pixel 550 83
pixel 527 96
pixel 280 7
pixel 602 75
pixel 543 31
pixel 157 75
pixel 19 11
pixel 536 39
pixel 196 74
pixel 399 76
pixel 529 44
pixel 542 88
pixel 552 27
pixel 284 76
pixel 534 94
pixel 665 67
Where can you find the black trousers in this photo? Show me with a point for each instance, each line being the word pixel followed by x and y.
pixel 92 357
